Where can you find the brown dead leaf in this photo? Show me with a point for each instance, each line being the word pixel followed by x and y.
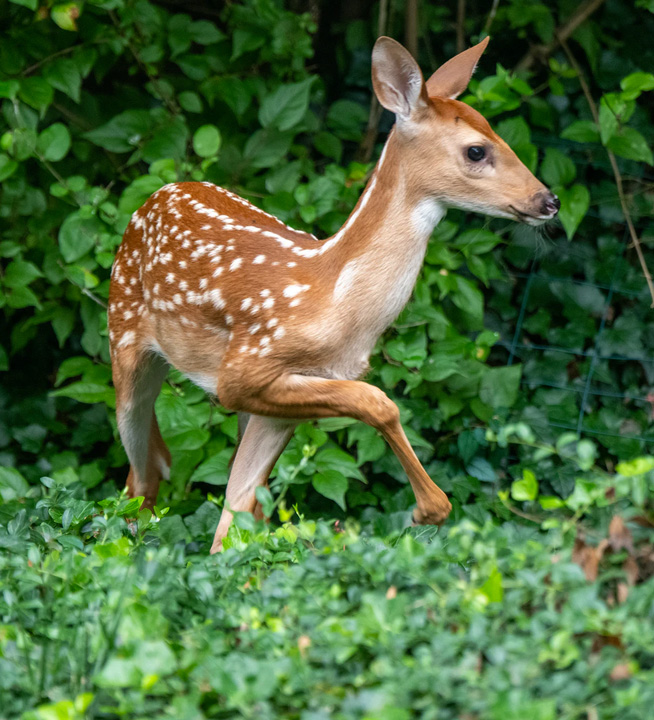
pixel 391 593
pixel 619 536
pixel 622 591
pixel 620 672
pixel 631 569
pixel 588 557
pixel 601 641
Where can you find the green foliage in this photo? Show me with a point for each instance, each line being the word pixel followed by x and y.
pixel 107 613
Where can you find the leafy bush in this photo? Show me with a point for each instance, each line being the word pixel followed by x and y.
pixel 107 619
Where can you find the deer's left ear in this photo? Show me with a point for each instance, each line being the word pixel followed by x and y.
pixel 452 78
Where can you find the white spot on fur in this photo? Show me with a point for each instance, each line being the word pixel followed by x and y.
pixel 128 338
pixel 293 290
pixel 236 264
pixel 259 259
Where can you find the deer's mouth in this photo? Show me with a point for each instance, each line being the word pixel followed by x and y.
pixel 528 218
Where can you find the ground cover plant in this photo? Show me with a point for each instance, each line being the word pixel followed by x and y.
pixel 523 368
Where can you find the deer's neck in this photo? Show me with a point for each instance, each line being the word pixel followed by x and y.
pixel 380 249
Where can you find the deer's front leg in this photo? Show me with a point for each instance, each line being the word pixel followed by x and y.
pixel 262 443
pixel 301 397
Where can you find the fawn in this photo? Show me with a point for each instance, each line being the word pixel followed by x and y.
pixel 280 326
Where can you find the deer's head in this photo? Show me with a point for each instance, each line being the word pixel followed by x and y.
pixel 452 153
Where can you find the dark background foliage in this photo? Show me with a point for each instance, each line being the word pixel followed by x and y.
pixel 523 367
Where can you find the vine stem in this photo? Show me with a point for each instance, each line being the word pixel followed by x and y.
pixel 614 166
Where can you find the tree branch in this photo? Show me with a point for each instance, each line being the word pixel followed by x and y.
pixel 367 145
pixel 460 26
pixel 561 34
pixel 614 166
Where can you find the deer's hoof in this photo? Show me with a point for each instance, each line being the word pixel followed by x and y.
pixel 432 516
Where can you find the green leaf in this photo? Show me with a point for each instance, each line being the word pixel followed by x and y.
pixel 206 141
pixel 581 131
pixel 65 15
pixel 36 92
pixel 138 192
pixel 86 392
pixel 123 132
pixel 12 484
pixel 332 485
pixel 629 143
pixel 557 168
pixel 574 206
pixel 468 298
pixel 20 273
pixel 30 4
pixel 7 167
pixel 477 241
pixel 638 466
pixel 526 488
pixel 64 75
pixel 493 588
pixel 190 102
pixel 214 470
pixel 266 148
pixel 286 106
pixel 499 386
pixel 337 459
pixel 54 142
pixel 78 235
pixel 636 83
pixel 205 32
pixel 9 88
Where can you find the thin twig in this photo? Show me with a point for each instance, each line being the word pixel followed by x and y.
pixel 411 27
pixel 614 166
pixel 37 65
pixel 367 145
pixel 490 18
pixel 460 26
pixel 542 52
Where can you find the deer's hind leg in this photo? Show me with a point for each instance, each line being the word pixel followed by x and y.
pixel 262 443
pixel 138 377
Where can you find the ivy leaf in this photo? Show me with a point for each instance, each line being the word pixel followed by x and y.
pixel 266 148
pixel 581 131
pixel 526 488
pixel 499 386
pixel 286 106
pixel 54 142
pixel 333 485
pixel 574 206
pixel 29 4
pixel 557 168
pixel 20 273
pixel 123 132
pixel 36 92
pixel 78 235
pixel 190 102
pixel 629 143
pixel 64 75
pixel 214 470
pixel 636 83
pixel 7 167
pixel 206 141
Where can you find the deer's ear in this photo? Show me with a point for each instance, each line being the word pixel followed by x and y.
pixel 452 78
pixel 396 78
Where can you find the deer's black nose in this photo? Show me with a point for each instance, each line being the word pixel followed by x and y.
pixel 550 203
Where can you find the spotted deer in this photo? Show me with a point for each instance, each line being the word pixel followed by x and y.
pixel 279 325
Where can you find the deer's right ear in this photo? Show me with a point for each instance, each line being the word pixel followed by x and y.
pixel 396 79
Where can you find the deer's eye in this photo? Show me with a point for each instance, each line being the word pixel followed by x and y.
pixel 476 153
